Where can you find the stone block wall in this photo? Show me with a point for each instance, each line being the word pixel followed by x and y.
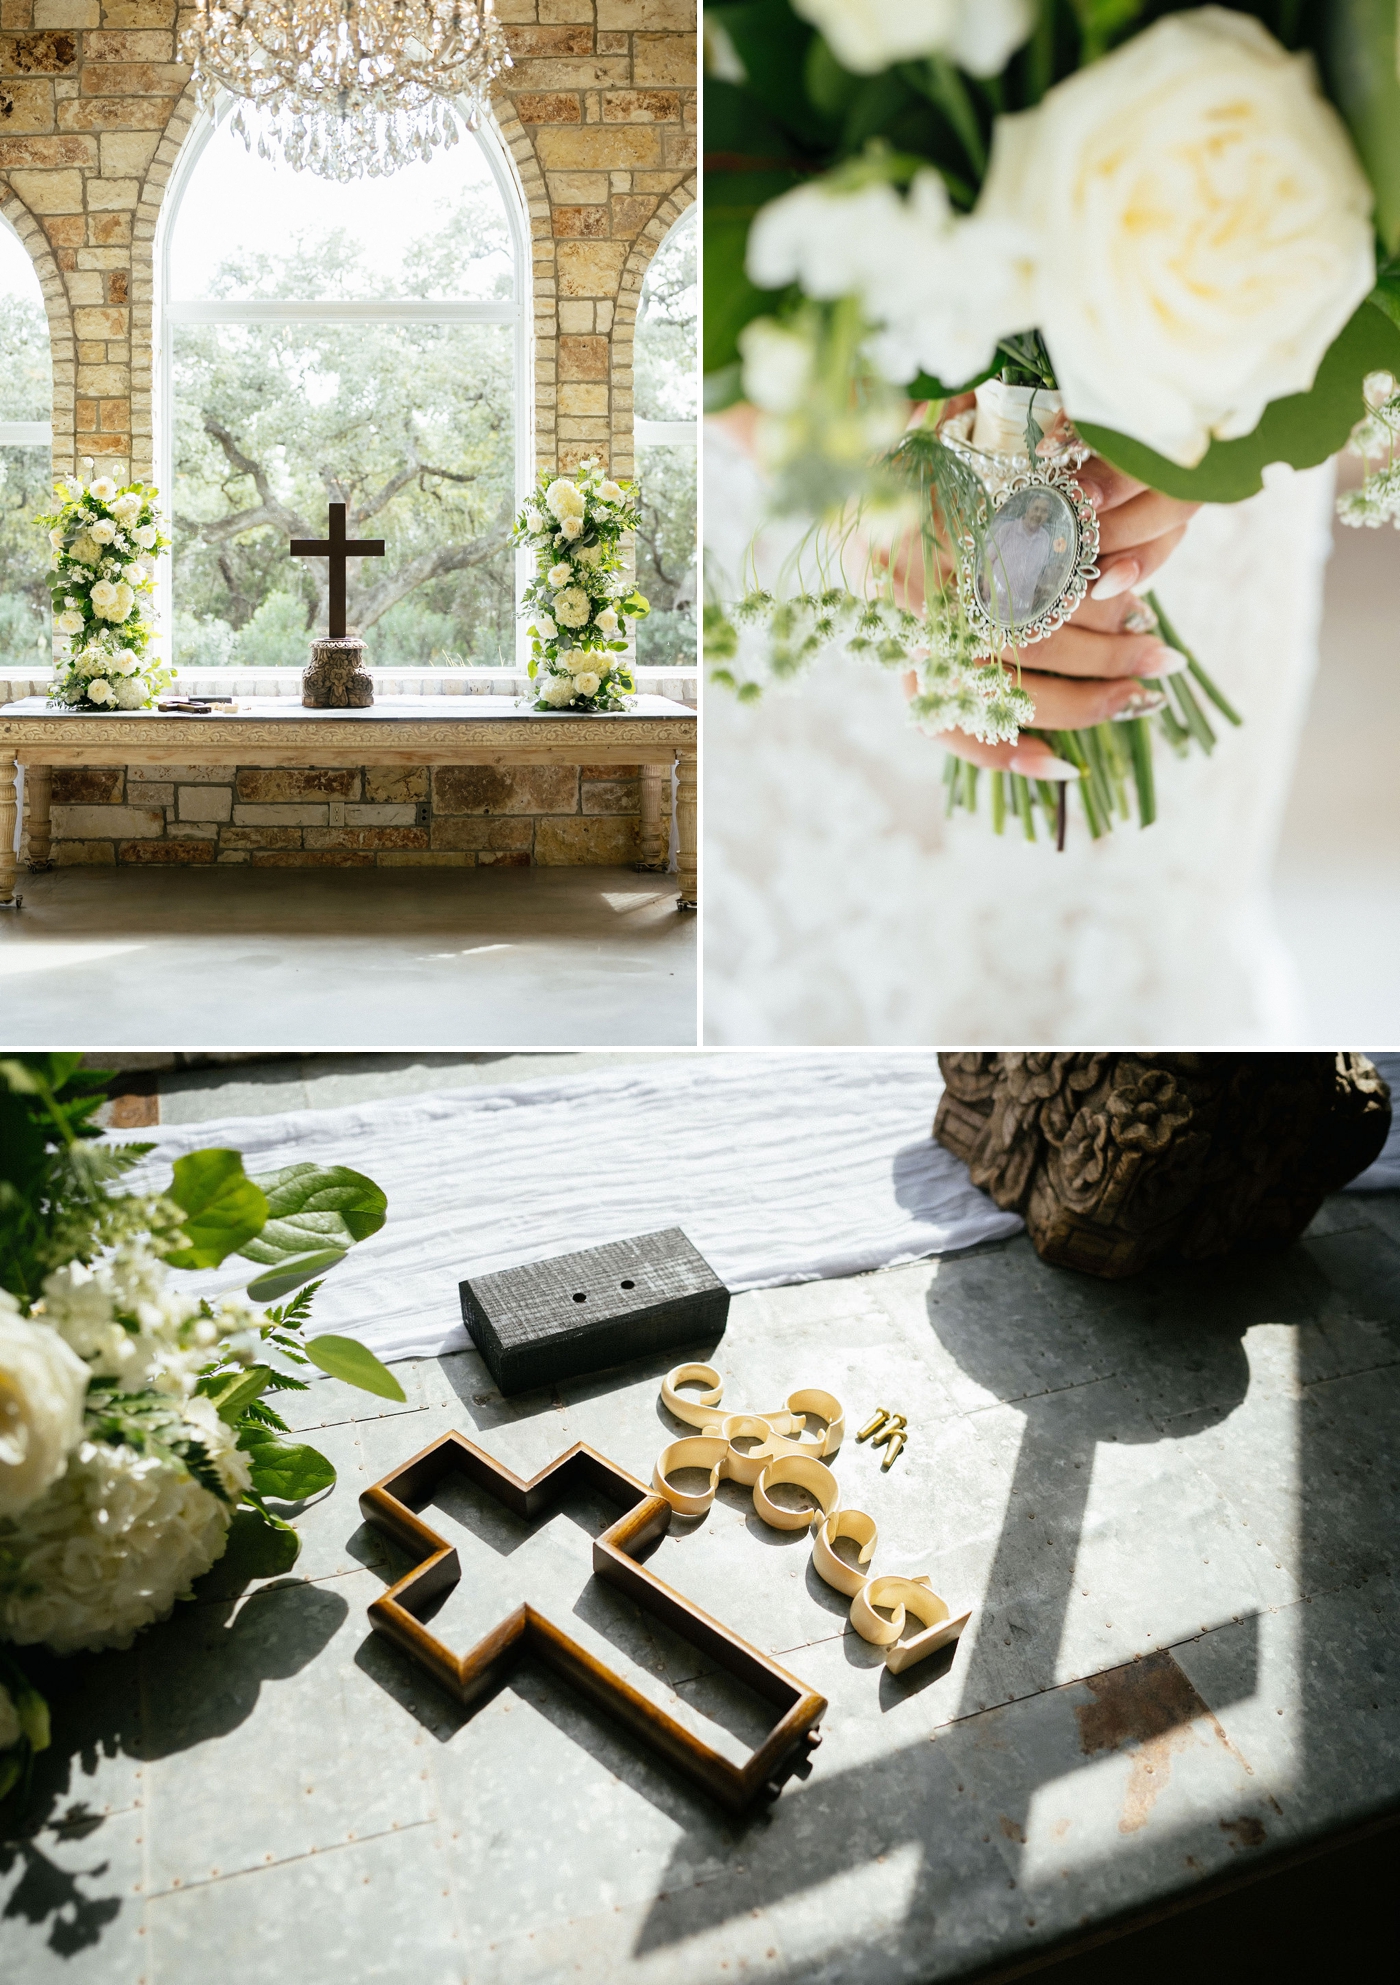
pixel 598 113
pixel 454 816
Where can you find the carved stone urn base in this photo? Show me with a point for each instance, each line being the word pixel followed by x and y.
pixel 336 678
pixel 1116 1161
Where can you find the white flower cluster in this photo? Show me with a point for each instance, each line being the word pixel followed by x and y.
pixel 107 1550
pixel 575 610
pixel 42 1388
pixel 125 1322
pixel 868 35
pixel 1184 221
pixel 104 542
pixel 1377 501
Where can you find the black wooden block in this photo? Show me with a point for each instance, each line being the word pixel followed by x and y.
pixel 549 1320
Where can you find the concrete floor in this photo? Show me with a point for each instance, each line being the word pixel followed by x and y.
pixel 1337 879
pixel 539 957
pixel 1172 1504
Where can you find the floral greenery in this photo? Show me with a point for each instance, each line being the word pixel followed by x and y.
pixel 105 540
pixel 118 1491
pixel 576 608
pixel 1374 438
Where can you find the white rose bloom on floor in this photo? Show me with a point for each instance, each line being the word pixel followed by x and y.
pixel 868 35
pixel 42 1388
pixel 107 1550
pixel 1201 229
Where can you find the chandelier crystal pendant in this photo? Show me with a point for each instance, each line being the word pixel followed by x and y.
pixel 348 87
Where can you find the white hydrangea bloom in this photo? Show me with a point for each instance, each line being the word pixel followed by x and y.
pixel 126 1323
pixel 107 1550
pixel 564 498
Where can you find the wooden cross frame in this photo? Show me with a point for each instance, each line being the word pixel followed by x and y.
pixel 337 548
pixel 644 1520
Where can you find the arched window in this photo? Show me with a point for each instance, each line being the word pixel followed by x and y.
pixel 666 368
pixel 363 344
pixel 26 438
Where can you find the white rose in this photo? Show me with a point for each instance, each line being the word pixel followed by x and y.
pixel 564 499
pixel 544 627
pixel 102 490
pixel 559 690
pixel 42 1388
pixel 572 607
pixel 126 661
pixel 112 600
pixel 99 690
pixel 56 539
pixel 607 620
pixel 103 531
pixel 130 694
pixel 610 492
pixel 1200 229
pixel 868 35
pixel 145 536
pixel 134 574
pixel 777 366
pixel 69 623
pixel 586 683
pixel 571 527
pixel 560 574
pixel 128 508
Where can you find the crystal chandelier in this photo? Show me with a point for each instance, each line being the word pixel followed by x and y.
pixel 348 87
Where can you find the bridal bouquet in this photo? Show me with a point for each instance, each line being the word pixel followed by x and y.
pixel 105 541
pixel 1168 235
pixel 576 605
pixel 135 1429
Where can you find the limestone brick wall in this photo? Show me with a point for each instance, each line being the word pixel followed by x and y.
pixel 598 112
pixel 454 816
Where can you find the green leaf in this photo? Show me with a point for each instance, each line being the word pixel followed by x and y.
pixel 345 1358
pixel 300 1268
pixel 288 1470
pixel 1302 429
pixel 1359 64
pixel 312 1209
pixel 222 1206
pixel 240 1392
pixel 259 1546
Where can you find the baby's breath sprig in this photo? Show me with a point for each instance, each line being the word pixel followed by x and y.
pixel 1374 437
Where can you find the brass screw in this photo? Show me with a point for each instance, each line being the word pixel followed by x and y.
pixel 896 1426
pixel 872 1425
pixel 892 1453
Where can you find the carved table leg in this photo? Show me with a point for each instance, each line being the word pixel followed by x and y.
pixel 655 853
pixel 8 816
pixel 37 781
pixel 686 826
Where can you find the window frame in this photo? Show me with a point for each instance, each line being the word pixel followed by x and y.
pixel 171 312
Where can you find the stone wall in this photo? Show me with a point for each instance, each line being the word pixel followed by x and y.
pixel 598 113
pixel 456 816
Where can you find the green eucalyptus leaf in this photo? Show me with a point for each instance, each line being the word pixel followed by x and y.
pixel 223 1208
pixel 290 1274
pixel 345 1358
pixel 288 1470
pixel 311 1208
pixel 1302 429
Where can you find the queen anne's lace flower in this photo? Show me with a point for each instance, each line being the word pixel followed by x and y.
pixel 107 1550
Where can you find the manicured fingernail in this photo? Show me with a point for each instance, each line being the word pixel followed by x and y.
pixel 1116 580
pixel 1092 490
pixel 1142 703
pixel 1159 659
pixel 1031 765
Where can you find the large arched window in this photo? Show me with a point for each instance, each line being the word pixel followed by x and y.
pixel 363 344
pixel 26 407
pixel 666 365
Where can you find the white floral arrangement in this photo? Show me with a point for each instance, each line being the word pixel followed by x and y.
pixel 105 539
pixel 576 607
pixel 135 1428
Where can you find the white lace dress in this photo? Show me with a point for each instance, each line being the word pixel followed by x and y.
pixel 841 906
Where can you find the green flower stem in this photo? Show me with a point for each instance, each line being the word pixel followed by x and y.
pixel 1040 71
pixel 1191 713
pixel 1174 640
pixel 1139 732
pixel 998 802
pixel 951 777
pixel 1021 793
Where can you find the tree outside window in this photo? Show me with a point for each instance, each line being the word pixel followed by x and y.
pixel 666 402
pixel 26 410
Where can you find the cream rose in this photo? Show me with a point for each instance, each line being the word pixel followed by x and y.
pixel 564 498
pixel 99 690
pixel 869 35
pixel 128 508
pixel 103 531
pixel 42 1388
pixel 69 623
pixel 609 491
pixel 586 683
pixel 571 527
pixel 56 539
pixel 112 599
pixel 560 574
pixel 1198 229
pixel 145 536
pixel 102 490
pixel 544 627
pixel 572 607
pixel 607 620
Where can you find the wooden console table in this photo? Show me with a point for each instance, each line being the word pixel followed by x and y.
pixel 656 734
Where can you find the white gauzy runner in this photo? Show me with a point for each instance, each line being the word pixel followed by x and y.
pixel 780 1168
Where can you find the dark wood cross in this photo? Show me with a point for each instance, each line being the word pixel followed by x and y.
pixel 337 549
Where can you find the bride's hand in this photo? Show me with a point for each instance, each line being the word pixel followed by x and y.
pixel 1088 671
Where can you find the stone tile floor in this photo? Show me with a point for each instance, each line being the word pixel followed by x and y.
pixel 1172 1504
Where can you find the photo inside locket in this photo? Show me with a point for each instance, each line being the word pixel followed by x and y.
pixel 1029 556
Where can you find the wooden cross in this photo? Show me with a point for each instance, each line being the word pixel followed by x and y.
pixel 337 549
